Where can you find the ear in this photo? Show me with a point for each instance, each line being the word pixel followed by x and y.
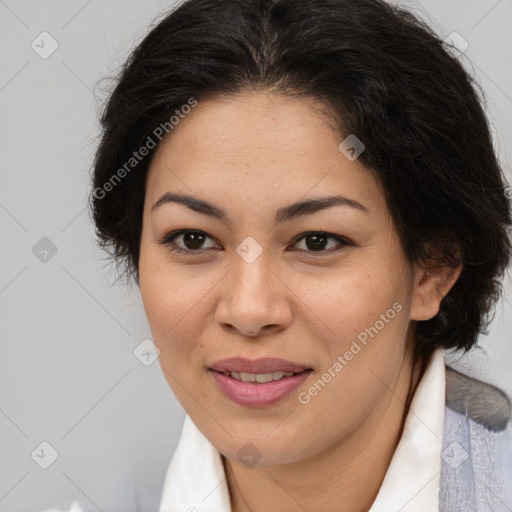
pixel 430 286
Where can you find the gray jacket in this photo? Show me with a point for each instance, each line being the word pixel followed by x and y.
pixel 476 463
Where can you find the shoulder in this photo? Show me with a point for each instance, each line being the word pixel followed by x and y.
pixel 484 403
pixel 476 465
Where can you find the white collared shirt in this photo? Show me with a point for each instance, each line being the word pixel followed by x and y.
pixel 196 481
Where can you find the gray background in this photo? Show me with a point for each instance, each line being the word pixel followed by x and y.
pixel 68 374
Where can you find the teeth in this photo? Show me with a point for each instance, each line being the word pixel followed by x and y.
pixel 263 377
pixel 258 377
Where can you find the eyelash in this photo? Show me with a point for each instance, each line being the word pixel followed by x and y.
pixel 167 241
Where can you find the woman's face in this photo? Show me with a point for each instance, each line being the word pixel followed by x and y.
pixel 253 284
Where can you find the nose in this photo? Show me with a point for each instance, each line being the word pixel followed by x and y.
pixel 255 299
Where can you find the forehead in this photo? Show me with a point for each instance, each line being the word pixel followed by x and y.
pixel 258 144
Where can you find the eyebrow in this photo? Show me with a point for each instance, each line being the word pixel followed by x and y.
pixel 284 214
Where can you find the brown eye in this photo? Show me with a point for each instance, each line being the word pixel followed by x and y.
pixel 192 241
pixel 318 241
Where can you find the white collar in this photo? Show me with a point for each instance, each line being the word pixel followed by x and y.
pixel 196 481
pixel 412 481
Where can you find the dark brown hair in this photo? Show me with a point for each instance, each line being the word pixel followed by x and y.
pixel 383 74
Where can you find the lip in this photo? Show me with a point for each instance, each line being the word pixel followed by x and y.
pixel 261 365
pixel 254 394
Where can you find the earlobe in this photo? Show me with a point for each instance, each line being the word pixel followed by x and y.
pixel 431 286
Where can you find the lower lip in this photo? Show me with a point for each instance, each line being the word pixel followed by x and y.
pixel 253 394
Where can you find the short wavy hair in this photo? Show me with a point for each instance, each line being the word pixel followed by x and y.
pixel 382 74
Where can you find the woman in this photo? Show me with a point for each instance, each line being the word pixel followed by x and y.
pixel 307 195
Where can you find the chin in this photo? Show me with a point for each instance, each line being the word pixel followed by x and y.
pixel 263 451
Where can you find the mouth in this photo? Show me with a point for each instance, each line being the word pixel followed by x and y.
pixel 258 383
pixel 237 367
pixel 261 378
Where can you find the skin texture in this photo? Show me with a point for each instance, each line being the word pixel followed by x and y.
pixel 251 154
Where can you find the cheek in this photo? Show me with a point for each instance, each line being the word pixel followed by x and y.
pixel 175 303
pixel 365 318
pixel 163 293
pixel 172 305
pixel 351 303
pixel 361 321
pixel 363 333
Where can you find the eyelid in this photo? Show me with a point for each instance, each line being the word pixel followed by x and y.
pixel 343 242
pixel 166 241
pixel 328 234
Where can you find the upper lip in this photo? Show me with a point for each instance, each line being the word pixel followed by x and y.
pixel 261 365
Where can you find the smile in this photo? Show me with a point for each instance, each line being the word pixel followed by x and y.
pixel 258 377
pixel 258 389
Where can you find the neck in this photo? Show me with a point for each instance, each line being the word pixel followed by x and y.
pixel 350 472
